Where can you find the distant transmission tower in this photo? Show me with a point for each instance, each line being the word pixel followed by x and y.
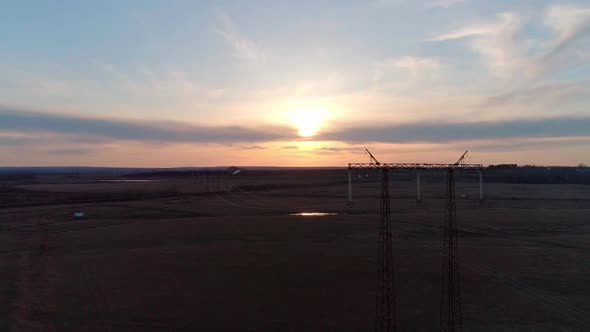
pixel 386 318
pixel 450 296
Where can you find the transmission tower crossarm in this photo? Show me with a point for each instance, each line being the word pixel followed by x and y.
pixel 373 159
pixel 414 166
pixel 461 160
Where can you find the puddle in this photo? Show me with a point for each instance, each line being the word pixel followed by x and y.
pixel 314 214
pixel 128 181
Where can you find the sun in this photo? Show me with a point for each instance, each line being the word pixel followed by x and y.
pixel 308 120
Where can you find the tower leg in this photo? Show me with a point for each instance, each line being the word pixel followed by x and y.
pixel 480 186
pixel 349 187
pixel 418 194
pixel 386 317
pixel 450 299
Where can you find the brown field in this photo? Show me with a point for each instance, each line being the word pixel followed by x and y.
pixel 186 255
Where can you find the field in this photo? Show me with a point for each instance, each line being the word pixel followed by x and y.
pixel 226 253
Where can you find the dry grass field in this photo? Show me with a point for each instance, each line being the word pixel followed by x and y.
pixel 230 256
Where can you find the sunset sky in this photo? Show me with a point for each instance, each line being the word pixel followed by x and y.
pixel 299 83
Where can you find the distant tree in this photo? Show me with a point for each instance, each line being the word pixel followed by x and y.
pixel 503 166
pixel 582 165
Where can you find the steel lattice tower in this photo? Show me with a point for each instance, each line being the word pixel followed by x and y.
pixel 386 318
pixel 450 300
pixel 450 297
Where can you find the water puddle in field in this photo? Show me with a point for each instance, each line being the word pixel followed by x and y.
pixel 128 181
pixel 314 214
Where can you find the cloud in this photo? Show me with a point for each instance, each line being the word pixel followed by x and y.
pixel 18 140
pixel 115 129
pixel 336 149
pixel 414 64
pixel 496 41
pixel 508 56
pixel 250 147
pixel 75 151
pixel 478 29
pixel 76 129
pixel 445 3
pixel 49 87
pixel 543 94
pixel 418 67
pixel 329 149
pixel 452 132
pixel 388 2
pixel 244 47
pixel 172 82
pixel 531 144
pixel 569 22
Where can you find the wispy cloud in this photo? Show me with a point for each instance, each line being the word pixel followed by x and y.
pixel 174 82
pixel 243 47
pixel 49 86
pixel 445 3
pixel 417 67
pixel 17 140
pixel 336 149
pixel 570 23
pixel 415 64
pixel 543 94
pixel 478 29
pixel 250 147
pixel 73 151
pixel 507 55
pixel 496 41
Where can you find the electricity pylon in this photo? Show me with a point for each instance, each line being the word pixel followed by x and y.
pixel 450 306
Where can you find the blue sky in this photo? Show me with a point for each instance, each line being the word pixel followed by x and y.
pixel 234 82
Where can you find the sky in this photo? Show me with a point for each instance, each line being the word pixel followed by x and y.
pixel 293 83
